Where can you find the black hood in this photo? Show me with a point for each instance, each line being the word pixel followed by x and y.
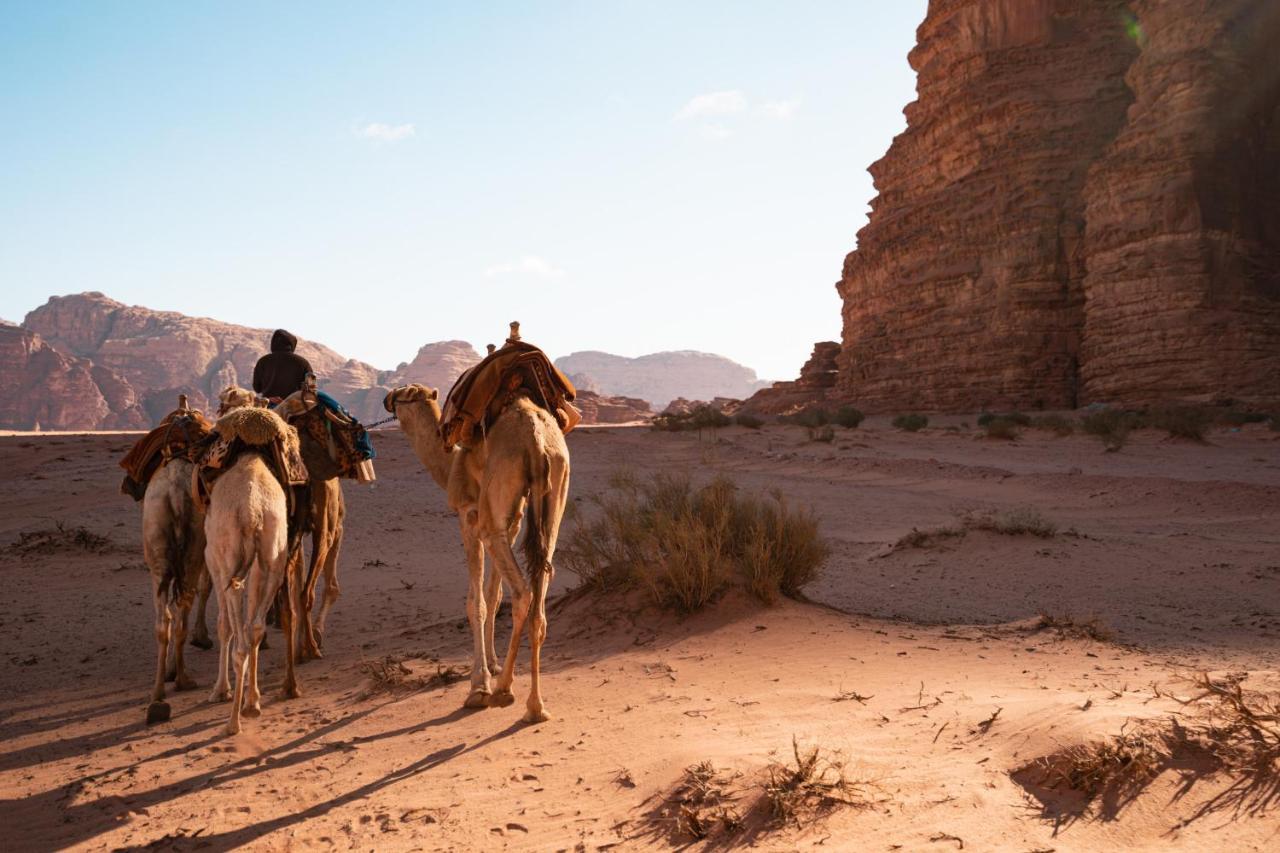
pixel 282 341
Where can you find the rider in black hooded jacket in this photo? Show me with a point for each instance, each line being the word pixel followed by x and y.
pixel 282 371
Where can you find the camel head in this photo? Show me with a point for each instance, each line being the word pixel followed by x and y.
pixel 410 394
pixel 234 397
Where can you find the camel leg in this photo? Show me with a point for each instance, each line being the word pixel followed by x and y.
pixel 240 653
pixel 492 601
pixel 521 596
pixel 290 620
pixel 476 614
pixel 181 681
pixel 332 590
pixel 158 711
pixel 307 646
pixel 200 633
pixel 222 686
pixel 535 711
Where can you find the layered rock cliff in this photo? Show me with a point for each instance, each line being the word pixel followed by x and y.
pixel 817 379
pixel 1083 207
pixel 661 377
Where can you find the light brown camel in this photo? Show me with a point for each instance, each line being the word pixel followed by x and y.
pixel 247 552
pixel 173 547
pixel 522 460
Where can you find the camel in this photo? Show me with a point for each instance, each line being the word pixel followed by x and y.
pixel 247 552
pixel 520 466
pixel 173 546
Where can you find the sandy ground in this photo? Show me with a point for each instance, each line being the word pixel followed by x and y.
pixel 1173 546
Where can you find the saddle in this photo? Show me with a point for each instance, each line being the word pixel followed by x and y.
pixel 337 444
pixel 249 430
pixel 483 392
pixel 178 434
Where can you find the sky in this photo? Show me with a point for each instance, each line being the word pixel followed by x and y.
pixel 621 176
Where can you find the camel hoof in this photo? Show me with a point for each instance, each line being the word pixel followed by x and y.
pixel 539 716
pixel 220 696
pixel 478 699
pixel 202 643
pixel 185 682
pixel 291 692
pixel 501 699
pixel 231 729
pixel 157 712
pixel 251 711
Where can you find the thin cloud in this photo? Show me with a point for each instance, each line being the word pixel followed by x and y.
pixel 380 132
pixel 713 104
pixel 779 110
pixel 714 131
pixel 531 265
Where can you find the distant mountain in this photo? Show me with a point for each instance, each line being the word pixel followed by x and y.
pixel 663 376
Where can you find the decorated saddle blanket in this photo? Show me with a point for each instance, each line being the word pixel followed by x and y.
pixel 250 430
pixel 181 431
pixel 481 394
pixel 334 444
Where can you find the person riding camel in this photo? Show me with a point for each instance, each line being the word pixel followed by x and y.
pixel 282 371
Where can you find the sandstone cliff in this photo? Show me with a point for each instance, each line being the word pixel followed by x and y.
pixel 663 376
pixel 600 409
pixel 817 379
pixel 1084 207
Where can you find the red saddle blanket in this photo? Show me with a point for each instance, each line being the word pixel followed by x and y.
pixel 179 432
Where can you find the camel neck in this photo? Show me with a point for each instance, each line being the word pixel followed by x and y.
pixel 422 426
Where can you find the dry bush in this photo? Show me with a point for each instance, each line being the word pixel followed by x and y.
pixel 749 421
pixel 928 538
pixel 1239 419
pixel 1066 626
pixel 703 802
pixel 848 417
pixel 1111 425
pixel 1242 729
pixel 686 545
pixel 1002 428
pixel 1021 521
pixel 1117 767
pixel 389 674
pixel 58 538
pixel 1059 424
pixel 824 434
pixel 699 418
pixel 1015 418
pixel 1189 422
pixel 795 794
pixel 911 423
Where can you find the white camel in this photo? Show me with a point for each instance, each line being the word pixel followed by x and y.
pixel 522 462
pixel 248 558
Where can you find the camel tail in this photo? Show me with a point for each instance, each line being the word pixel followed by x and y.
pixel 537 512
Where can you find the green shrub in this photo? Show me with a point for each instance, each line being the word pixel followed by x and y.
pixel 699 418
pixel 748 421
pixel 822 433
pixel 814 417
pixel 1111 425
pixel 1002 428
pixel 911 423
pixel 1055 423
pixel 686 545
pixel 848 416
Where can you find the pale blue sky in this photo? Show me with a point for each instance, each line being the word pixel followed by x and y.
pixel 630 177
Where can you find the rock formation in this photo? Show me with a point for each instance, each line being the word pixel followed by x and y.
pixel 1085 206
pixel 438 365
pixel 599 409
pixel 817 378
pixel 663 376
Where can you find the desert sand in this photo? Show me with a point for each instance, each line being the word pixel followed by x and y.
pixel 1171 546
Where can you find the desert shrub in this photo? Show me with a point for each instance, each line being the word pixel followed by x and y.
pixel 822 433
pixel 709 417
pixel 698 418
pixel 813 785
pixel 1111 425
pixel 1054 423
pixel 814 417
pixel 848 416
pixel 748 421
pixel 1079 629
pixel 1238 419
pixel 1190 422
pixel 911 423
pixel 1002 428
pixel 1017 418
pixel 685 545
pixel 1022 521
pixel 60 537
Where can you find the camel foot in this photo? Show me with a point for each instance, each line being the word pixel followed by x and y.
pixel 309 654
pixel 251 711
pixel 157 712
pixel 217 696
pixel 202 643
pixel 291 691
pixel 170 675
pixel 184 682
pixel 538 716
pixel 477 699
pixel 501 699
pixel 231 729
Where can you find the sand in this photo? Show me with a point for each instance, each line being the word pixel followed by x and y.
pixel 1172 546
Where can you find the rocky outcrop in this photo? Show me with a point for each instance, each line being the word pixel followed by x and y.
pixel 1083 207
pixel 663 376
pixel 42 388
pixel 437 365
pixel 599 409
pixel 817 379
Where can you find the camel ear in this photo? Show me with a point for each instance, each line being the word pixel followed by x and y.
pixel 389 401
pixel 434 395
